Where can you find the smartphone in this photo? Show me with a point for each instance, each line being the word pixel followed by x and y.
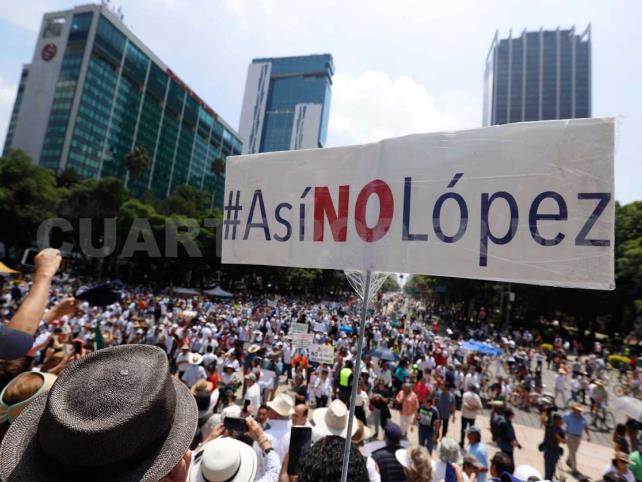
pixel 235 424
pixel 77 347
pixel 69 349
pixel 300 440
pixel 29 257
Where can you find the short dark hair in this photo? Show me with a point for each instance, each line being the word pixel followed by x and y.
pixel 502 463
pixel 324 460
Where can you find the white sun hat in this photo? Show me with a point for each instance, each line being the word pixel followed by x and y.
pixel 224 460
pixel 333 420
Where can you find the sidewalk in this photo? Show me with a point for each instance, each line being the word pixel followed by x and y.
pixel 591 457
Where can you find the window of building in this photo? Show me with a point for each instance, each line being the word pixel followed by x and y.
pixel 53 27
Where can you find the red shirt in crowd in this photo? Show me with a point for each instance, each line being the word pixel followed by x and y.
pixel 422 390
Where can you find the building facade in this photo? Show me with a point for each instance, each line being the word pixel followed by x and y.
pixel 286 103
pixel 539 75
pixel 94 91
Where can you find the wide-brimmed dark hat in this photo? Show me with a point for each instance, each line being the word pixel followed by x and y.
pixel 115 415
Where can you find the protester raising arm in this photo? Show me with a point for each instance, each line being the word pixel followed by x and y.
pixel 16 338
pixel 32 309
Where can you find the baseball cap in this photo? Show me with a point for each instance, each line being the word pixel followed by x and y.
pixel 393 432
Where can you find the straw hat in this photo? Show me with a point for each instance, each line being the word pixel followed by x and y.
pixel 195 358
pixel 282 404
pixel 202 385
pixel 253 348
pixel 576 407
pixel 138 413
pixel 333 420
pixel 624 457
pixel 363 433
pixel 527 472
pixel 224 460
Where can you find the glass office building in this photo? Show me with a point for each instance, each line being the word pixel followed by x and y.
pixel 538 76
pixel 94 92
pixel 286 103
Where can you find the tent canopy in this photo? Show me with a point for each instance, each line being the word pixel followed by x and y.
pixel 185 291
pixel 218 291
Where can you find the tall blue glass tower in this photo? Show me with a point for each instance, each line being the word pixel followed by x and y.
pixel 286 103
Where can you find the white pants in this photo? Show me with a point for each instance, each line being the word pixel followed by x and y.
pixel 406 420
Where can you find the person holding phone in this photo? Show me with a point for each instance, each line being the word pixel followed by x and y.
pixel 227 459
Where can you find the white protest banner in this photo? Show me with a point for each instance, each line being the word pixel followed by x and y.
pixel 302 340
pixel 528 202
pixel 298 328
pixel 322 354
pixel 320 327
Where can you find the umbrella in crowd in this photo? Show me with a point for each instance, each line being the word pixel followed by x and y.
pixel 385 354
pixel 629 406
pixel 481 348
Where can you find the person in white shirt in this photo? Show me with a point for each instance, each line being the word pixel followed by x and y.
pixel 560 386
pixel 194 372
pixel 252 394
pixel 322 388
pixel 620 465
pixel 280 411
pixel 471 406
pixel 182 360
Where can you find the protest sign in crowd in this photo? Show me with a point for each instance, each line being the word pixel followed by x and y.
pixel 118 382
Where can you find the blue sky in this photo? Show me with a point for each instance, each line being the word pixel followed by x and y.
pixel 401 67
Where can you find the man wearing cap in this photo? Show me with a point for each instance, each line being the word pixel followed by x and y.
pixel 389 467
pixel 142 423
pixel 636 463
pixel 575 424
pixel 477 449
pixel 620 465
pixel 471 467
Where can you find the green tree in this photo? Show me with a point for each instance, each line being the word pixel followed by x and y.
pixel 137 161
pixel 390 284
pixel 67 178
pixel 28 196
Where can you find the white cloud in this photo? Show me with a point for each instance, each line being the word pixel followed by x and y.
pixel 7 96
pixel 374 106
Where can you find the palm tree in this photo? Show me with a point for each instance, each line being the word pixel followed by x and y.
pixel 218 165
pixel 137 162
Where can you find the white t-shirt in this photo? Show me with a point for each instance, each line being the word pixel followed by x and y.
pixel 628 475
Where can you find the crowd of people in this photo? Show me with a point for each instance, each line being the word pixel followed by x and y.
pixel 130 383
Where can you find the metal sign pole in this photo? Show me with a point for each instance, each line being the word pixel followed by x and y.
pixel 355 378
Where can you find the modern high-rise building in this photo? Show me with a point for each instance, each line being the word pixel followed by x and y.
pixel 538 76
pixel 93 92
pixel 286 103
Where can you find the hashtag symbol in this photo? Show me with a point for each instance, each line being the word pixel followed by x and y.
pixel 229 208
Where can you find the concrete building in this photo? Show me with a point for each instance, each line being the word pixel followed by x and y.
pixel 93 91
pixel 286 103
pixel 539 75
